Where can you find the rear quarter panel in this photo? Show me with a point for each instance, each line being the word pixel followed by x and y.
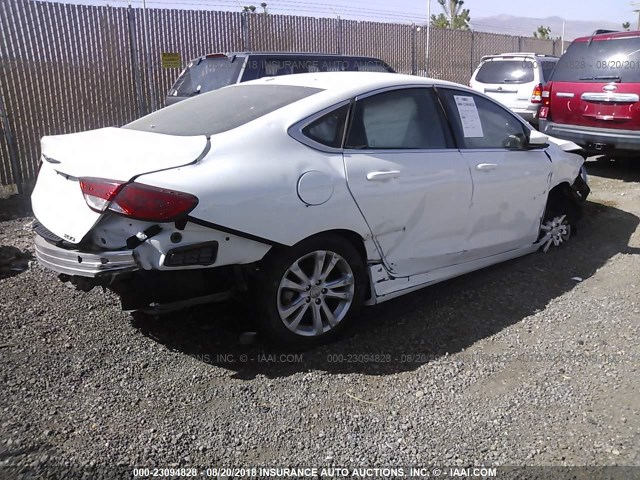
pixel 248 182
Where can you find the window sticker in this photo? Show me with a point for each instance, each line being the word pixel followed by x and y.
pixel 471 126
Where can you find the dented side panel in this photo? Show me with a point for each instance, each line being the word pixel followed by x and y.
pixel 418 214
pixel 508 200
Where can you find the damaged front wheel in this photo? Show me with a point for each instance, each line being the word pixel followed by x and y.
pixel 555 231
pixel 558 223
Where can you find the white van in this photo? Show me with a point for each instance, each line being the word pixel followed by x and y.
pixel 515 80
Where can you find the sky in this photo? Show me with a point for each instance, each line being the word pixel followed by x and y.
pixel 409 11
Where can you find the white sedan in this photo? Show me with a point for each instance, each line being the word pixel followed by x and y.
pixel 311 194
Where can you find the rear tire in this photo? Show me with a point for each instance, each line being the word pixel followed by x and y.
pixel 307 294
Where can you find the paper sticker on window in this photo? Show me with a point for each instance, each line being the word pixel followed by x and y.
pixel 471 126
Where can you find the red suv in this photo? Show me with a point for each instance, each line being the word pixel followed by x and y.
pixel 593 98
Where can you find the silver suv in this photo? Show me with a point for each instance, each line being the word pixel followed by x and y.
pixel 515 80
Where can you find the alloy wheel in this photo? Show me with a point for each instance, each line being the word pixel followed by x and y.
pixel 316 293
pixel 555 231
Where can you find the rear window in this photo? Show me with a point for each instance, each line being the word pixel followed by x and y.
pixel 287 66
pixel 328 129
pixel 600 61
pixel 220 110
pixel 506 71
pixel 207 74
pixel 265 66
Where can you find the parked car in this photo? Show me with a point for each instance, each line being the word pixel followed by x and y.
pixel 317 193
pixel 593 98
pixel 515 80
pixel 213 71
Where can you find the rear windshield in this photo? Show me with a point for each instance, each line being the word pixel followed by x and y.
pixel 220 110
pixel 270 66
pixel 207 74
pixel 284 66
pixel 506 71
pixel 600 61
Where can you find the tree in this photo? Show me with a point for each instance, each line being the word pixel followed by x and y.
pixel 626 26
pixel 454 16
pixel 543 32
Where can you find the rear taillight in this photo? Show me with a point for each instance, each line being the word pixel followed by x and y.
pixel 536 95
pixel 137 200
pixel 98 192
pixel 144 202
pixel 546 102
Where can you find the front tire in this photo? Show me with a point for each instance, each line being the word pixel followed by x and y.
pixel 559 222
pixel 308 293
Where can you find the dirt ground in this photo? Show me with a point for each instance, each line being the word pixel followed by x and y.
pixel 531 362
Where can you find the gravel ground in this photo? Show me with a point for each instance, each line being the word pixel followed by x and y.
pixel 531 362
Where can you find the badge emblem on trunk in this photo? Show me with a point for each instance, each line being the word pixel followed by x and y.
pixel 609 88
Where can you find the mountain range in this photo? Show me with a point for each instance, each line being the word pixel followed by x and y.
pixel 525 26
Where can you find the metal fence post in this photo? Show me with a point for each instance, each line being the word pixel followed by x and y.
pixel 250 16
pixel 519 44
pixel 135 64
pixel 147 58
pixel 244 23
pixel 414 66
pixel 16 172
pixel 472 52
pixel 339 36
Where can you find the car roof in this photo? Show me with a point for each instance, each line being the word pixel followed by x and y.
pixel 609 36
pixel 288 54
pixel 518 54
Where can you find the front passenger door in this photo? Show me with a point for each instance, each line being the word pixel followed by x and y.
pixel 510 181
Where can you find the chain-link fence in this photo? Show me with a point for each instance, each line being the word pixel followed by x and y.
pixel 67 68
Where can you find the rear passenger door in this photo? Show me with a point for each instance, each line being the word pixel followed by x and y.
pixel 510 181
pixel 410 182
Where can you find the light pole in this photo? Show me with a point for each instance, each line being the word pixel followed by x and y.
pixel 426 66
pixel 636 4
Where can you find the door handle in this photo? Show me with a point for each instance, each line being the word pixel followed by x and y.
pixel 486 166
pixel 381 176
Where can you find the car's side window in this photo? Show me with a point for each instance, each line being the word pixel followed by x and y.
pixel 547 69
pixel 328 129
pixel 482 123
pixel 398 119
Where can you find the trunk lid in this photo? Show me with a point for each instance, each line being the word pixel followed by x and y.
pixel 112 153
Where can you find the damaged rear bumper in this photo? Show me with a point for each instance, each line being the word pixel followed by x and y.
pixel 83 264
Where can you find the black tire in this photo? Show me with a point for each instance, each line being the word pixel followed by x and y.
pixel 268 296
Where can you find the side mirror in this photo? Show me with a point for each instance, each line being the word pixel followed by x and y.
pixel 537 140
